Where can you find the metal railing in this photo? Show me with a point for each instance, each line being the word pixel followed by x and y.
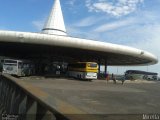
pixel 23 101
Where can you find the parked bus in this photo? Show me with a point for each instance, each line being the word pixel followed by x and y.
pixel 18 67
pixel 136 74
pixel 83 70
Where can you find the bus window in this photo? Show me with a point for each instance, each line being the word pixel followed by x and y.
pixel 10 61
pixel 20 65
pixel 94 65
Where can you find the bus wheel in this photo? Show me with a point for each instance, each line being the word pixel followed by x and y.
pixel 89 80
pixel 80 77
pixel 77 76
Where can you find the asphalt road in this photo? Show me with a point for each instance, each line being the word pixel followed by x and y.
pixel 101 98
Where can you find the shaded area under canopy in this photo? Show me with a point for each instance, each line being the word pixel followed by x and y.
pixel 36 51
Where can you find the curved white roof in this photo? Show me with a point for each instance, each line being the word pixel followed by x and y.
pixel 130 56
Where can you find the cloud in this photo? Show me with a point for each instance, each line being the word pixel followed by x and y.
pixel 71 2
pixel 117 8
pixel 150 39
pixel 142 37
pixel 151 43
pixel 88 21
pixel 115 25
pixel 38 24
pixel 76 32
pixel 3 28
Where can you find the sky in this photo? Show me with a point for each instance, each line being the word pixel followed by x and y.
pixel 134 23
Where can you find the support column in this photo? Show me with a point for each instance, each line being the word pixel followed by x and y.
pixel 99 65
pixel 105 66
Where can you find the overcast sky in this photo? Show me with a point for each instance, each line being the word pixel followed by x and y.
pixel 134 23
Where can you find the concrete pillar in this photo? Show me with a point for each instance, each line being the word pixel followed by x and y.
pixel 99 64
pixel 105 66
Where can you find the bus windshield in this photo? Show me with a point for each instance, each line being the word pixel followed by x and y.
pixel 10 64
pixel 93 65
pixel 10 61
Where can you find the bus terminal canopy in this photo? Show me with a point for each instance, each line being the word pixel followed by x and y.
pixel 30 45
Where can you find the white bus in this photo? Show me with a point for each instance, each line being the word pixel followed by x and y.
pixel 83 70
pixel 18 67
pixel 137 74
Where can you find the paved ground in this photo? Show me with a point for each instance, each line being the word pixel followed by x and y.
pixel 100 97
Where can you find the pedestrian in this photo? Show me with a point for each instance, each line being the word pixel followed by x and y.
pixel 123 79
pixel 113 78
pixel 107 77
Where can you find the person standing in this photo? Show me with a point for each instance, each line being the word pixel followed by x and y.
pixel 107 77
pixel 123 79
pixel 113 78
